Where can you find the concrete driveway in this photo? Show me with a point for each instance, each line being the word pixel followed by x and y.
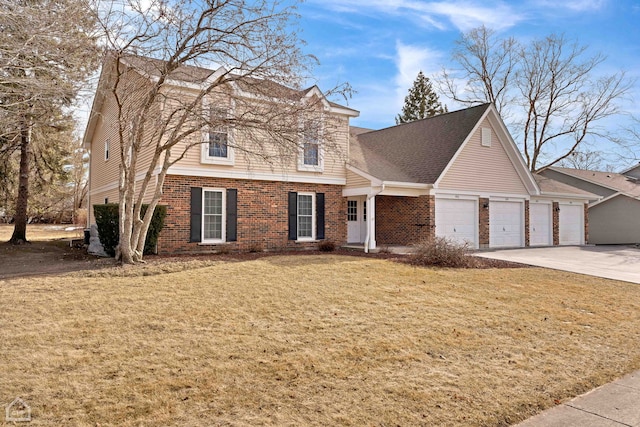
pixel 610 262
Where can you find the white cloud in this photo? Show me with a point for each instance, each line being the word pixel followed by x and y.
pixel 462 14
pixel 574 5
pixel 409 61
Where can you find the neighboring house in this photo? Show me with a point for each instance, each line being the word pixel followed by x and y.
pixel 458 175
pixel 615 217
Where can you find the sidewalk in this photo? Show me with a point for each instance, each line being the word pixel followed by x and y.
pixel 616 404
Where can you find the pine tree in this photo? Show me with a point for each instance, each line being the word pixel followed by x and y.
pixel 421 102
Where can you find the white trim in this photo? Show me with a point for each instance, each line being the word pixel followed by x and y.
pixel 313 217
pixel 107 149
pixel 509 146
pixel 519 199
pixel 360 191
pixel 302 167
pixel 204 147
pixel 457 197
pixel 223 225
pixel 258 176
pixel 483 195
pixel 606 199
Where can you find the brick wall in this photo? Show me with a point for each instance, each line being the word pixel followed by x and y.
pixel 586 223
pixel 483 222
pixel 262 214
pixel 526 224
pixel 555 208
pixel 404 220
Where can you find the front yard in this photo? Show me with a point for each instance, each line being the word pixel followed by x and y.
pixel 310 340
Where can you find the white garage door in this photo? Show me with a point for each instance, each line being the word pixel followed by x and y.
pixel 571 224
pixel 456 219
pixel 540 229
pixel 505 224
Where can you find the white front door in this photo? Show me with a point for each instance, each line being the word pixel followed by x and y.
pixel 457 219
pixel 356 219
pixel 506 221
pixel 540 230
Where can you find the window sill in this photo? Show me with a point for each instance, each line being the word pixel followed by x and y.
pixel 217 161
pixel 307 241
pixel 309 168
pixel 221 242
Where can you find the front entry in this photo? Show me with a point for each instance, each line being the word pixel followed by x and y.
pixel 356 219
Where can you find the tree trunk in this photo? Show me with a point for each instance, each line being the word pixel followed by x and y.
pixel 20 228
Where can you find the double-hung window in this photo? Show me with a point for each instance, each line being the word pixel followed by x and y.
pixel 311 146
pixel 213 216
pixel 305 216
pixel 216 149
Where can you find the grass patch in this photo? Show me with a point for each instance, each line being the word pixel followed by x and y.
pixel 43 232
pixel 311 340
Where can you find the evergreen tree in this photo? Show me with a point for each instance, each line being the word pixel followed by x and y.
pixel 422 102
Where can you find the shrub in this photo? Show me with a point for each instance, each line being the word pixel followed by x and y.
pixel 441 252
pixel 326 246
pixel 107 220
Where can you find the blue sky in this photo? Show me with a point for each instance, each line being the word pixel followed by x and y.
pixel 378 46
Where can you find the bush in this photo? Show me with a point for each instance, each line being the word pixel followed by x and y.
pixel 107 220
pixel 326 246
pixel 441 252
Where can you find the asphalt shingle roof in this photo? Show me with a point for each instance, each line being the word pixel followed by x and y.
pixel 415 152
pixel 611 180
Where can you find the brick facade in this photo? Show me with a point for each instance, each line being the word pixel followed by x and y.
pixel 527 236
pixel 404 220
pixel 555 209
pixel 483 223
pixel 586 223
pixel 262 214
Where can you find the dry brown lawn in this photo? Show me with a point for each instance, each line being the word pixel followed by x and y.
pixel 310 340
pixel 43 232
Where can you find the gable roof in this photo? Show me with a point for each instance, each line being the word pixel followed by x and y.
pixel 415 152
pixel 550 187
pixel 611 180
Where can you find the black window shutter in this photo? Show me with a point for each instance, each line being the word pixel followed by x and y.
pixel 232 215
pixel 319 216
pixel 293 215
pixel 196 214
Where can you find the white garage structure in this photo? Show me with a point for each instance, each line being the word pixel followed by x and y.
pixel 461 176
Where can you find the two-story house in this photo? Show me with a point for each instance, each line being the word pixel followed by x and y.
pixel 457 175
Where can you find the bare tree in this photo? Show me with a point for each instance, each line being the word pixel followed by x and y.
pixel 550 87
pixel 165 102
pixel 47 49
pixel 487 68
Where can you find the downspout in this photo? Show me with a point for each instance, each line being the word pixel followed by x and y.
pixel 369 218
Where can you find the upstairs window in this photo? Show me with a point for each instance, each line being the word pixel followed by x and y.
pixel 106 150
pixel 311 147
pixel 216 148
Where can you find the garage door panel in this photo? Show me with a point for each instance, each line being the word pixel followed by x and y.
pixel 540 225
pixel 456 219
pixel 570 226
pixel 505 224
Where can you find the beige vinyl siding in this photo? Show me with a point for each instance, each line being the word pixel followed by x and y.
pixel 98 199
pixel 105 172
pixel 336 134
pixel 481 168
pixel 356 181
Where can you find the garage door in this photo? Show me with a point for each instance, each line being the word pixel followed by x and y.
pixel 457 220
pixel 571 224
pixel 540 228
pixel 505 224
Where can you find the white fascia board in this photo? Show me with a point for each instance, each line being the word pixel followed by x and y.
pixel 606 199
pixel 568 196
pixel 234 174
pixel 513 152
pixel 482 194
pixel 404 191
pixel 359 191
